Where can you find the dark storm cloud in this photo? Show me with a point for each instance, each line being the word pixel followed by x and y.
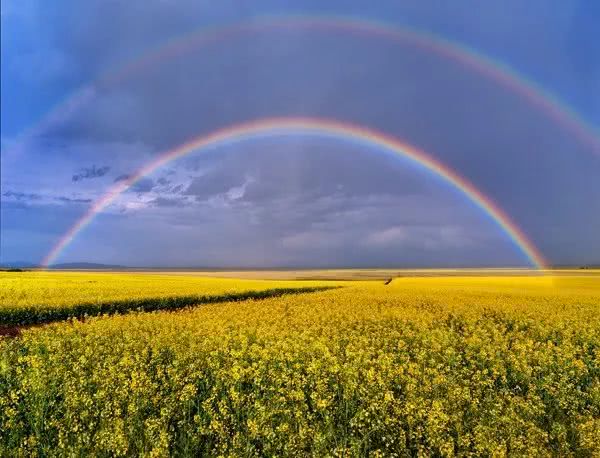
pixel 584 50
pixel 307 219
pixel 22 195
pixel 143 185
pixel 71 200
pixel 91 172
pixel 282 198
pixel 310 169
pixel 213 183
pixel 177 189
pixel 169 202
pixel 28 232
pixel 253 75
pixel 489 134
pixel 585 47
pixel 289 234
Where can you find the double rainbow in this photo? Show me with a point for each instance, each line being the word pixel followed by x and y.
pixel 312 126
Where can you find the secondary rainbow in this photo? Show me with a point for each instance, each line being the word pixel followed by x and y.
pixel 493 69
pixel 314 126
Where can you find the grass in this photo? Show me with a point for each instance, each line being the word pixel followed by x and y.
pixel 425 366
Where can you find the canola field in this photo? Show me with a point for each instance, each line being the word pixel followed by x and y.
pixel 486 366
pixel 38 297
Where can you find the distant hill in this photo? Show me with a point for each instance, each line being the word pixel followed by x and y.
pixel 86 265
pixel 17 265
pixel 64 265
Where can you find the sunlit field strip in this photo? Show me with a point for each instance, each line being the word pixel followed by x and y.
pixel 37 297
pixel 38 314
pixel 429 366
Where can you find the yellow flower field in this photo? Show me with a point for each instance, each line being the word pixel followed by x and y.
pixel 33 297
pixel 480 366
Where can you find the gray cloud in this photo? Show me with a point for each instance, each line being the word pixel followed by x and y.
pixel 169 202
pixel 143 185
pixel 306 200
pixel 310 170
pixel 72 200
pixel 490 135
pixel 22 195
pixel 212 184
pixel 42 199
pixel 91 172
pixel 308 220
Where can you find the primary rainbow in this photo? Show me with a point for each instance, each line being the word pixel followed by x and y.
pixel 322 127
pixel 493 69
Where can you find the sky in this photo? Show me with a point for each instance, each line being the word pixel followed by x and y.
pixel 296 200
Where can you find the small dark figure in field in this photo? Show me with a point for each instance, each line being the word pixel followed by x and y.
pixel 388 281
